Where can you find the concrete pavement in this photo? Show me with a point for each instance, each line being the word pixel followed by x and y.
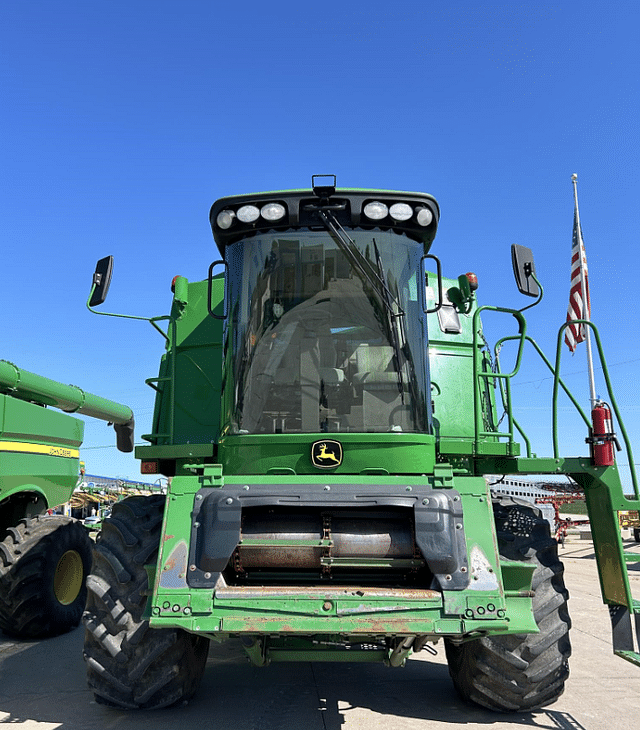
pixel 43 685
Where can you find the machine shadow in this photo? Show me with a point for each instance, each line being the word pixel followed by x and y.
pixel 298 696
pixel 333 696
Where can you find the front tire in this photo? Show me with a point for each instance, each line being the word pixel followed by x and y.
pixel 520 672
pixel 44 562
pixel 129 664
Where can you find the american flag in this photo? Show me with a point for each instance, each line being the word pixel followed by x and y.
pixel 575 333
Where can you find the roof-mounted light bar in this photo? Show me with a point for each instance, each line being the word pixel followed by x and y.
pixel 235 218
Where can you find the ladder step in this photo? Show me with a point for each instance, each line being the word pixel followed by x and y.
pixel 630 656
pixel 631 557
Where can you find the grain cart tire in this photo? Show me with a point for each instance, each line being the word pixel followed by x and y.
pixel 520 672
pixel 129 664
pixel 44 563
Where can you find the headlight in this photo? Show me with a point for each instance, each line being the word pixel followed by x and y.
pixel 248 213
pixel 272 211
pixel 401 211
pixel 376 211
pixel 424 217
pixel 225 219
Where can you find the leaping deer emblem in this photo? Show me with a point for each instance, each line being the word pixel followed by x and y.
pixel 324 454
pixel 327 454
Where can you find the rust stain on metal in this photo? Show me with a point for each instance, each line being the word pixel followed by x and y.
pixel 333 593
pixel 362 608
pixel 174 569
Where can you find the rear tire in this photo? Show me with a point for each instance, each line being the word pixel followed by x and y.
pixel 44 562
pixel 520 672
pixel 129 664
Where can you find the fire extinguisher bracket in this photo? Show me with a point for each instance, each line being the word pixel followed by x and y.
pixel 602 436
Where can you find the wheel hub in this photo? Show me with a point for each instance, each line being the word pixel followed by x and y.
pixel 68 578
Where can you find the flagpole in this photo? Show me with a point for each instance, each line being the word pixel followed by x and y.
pixel 585 304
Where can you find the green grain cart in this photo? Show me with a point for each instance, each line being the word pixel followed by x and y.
pixel 44 559
pixel 327 409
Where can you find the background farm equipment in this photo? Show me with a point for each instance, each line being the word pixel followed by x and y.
pixel 44 558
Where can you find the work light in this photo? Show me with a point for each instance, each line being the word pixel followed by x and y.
pixel 248 213
pixel 272 211
pixel 225 219
pixel 401 211
pixel 376 210
pixel 424 217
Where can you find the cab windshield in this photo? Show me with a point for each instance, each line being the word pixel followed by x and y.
pixel 324 339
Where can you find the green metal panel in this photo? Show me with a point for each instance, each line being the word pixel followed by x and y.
pixel 187 409
pixel 604 497
pixel 452 359
pixel 451 380
pixel 394 453
pixel 38 450
pixel 22 421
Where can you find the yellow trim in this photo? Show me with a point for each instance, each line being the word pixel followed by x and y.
pixel 26 448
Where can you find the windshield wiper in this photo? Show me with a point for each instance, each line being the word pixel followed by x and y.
pixel 360 263
pixel 394 325
pixel 375 278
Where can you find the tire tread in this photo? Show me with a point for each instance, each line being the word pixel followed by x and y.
pixel 129 664
pixel 516 673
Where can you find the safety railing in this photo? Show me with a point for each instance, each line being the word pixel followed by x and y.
pixel 483 377
pixel 610 397
pixel 506 403
pixel 481 432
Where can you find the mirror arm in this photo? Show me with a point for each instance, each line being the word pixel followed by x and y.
pixel 539 299
pixel 152 320
pixel 111 314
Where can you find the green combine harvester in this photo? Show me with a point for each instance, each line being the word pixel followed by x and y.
pixel 327 410
pixel 44 559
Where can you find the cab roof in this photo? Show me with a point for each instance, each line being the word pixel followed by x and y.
pixel 301 211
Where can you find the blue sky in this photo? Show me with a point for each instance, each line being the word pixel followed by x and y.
pixel 122 122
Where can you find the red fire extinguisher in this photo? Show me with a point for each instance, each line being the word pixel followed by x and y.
pixel 602 435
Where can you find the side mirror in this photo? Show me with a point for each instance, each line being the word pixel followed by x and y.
pixel 523 268
pixel 101 280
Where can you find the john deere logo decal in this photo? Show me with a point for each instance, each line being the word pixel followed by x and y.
pixel 326 454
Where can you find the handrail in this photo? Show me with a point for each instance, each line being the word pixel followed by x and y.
pixel 611 397
pixel 478 374
pixel 504 379
pixel 506 404
pixel 171 378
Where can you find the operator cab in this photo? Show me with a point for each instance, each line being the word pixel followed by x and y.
pixel 325 328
